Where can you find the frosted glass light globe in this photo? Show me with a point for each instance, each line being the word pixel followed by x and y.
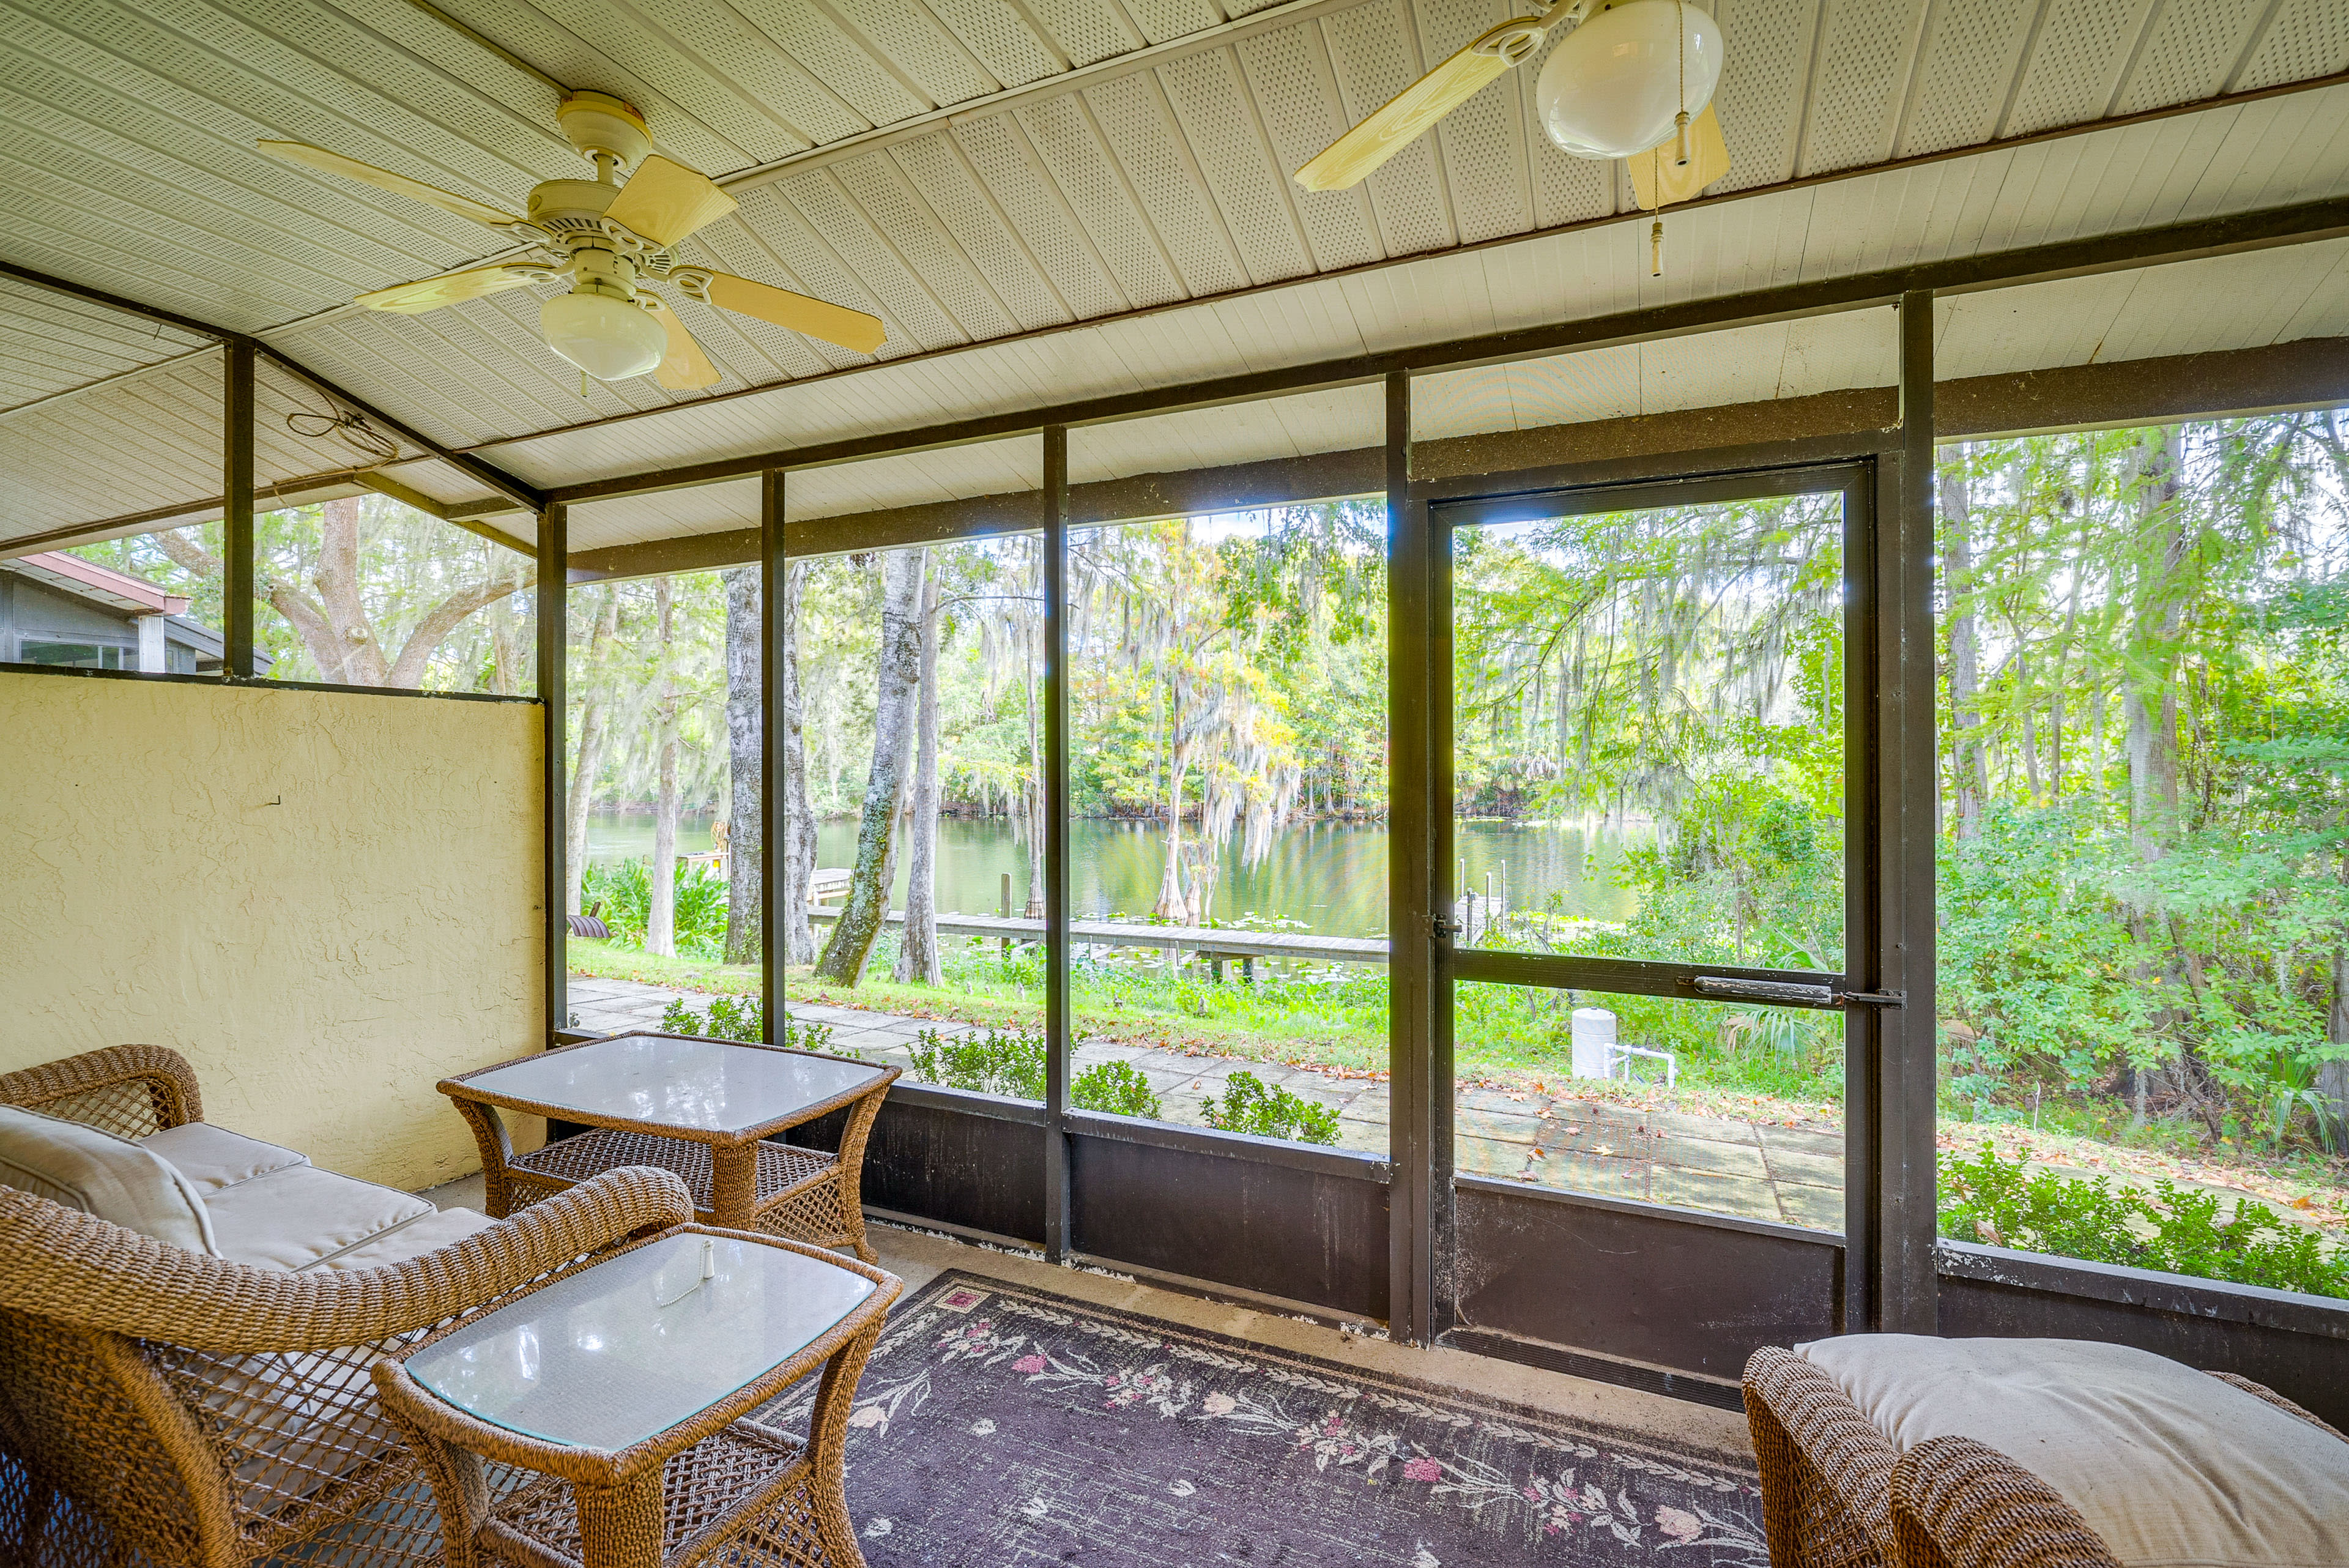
pixel 604 336
pixel 1612 88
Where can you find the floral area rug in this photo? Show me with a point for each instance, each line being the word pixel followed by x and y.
pixel 996 1424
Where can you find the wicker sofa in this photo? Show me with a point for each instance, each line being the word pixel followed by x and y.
pixel 1840 1490
pixel 207 1410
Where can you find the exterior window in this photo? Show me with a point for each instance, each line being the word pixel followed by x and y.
pixel 77 655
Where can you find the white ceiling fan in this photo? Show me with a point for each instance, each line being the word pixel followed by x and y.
pixel 1632 80
pixel 609 239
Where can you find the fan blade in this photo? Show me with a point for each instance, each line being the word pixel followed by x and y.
pixel 851 329
pixel 665 201
pixel 1658 181
pixel 385 180
pixel 1353 157
pixel 432 293
pixel 685 367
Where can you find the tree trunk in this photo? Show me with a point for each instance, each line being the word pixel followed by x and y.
pixel 745 824
pixel 918 950
pixel 2332 1079
pixel 357 658
pixel 592 738
pixel 1971 776
pixel 797 860
pixel 1172 904
pixel 660 915
pixel 2149 690
pixel 861 919
pixel 1032 792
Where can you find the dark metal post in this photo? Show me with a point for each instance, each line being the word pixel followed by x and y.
pixel 774 622
pixel 1411 872
pixel 1897 955
pixel 236 510
pixel 554 649
pixel 1056 842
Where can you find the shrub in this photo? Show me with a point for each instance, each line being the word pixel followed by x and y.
pixel 1008 1061
pixel 742 1019
pixel 1116 1089
pixel 622 894
pixel 2176 1229
pixel 1011 1063
pixel 1251 1106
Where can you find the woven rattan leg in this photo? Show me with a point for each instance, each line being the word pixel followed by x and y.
pixel 734 1185
pixel 490 1137
pixel 828 1446
pixel 621 1526
pixel 849 1185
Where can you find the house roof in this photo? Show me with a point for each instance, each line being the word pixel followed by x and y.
pixel 95 585
pixel 1054 199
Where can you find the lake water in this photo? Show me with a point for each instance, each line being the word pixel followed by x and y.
pixel 1331 878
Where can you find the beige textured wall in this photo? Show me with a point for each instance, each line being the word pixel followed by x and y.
pixel 325 900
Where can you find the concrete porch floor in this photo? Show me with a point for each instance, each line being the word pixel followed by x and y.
pixel 1753 1170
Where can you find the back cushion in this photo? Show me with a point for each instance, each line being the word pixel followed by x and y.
pixel 82 1167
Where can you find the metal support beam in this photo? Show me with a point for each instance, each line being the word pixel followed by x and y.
pixel 553 648
pixel 1056 843
pixel 1413 966
pixel 1891 1186
pixel 774 624
pixel 236 512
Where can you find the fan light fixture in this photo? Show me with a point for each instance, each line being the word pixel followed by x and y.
pixel 1621 83
pixel 609 338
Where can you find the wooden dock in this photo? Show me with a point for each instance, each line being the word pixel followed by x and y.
pixel 1209 941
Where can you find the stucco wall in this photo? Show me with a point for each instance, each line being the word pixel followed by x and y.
pixel 327 901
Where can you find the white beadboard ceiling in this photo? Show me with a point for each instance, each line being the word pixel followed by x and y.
pixel 1050 198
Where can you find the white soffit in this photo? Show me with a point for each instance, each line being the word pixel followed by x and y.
pixel 2131 177
pixel 971 170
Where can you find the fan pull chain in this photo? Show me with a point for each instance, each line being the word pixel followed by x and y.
pixel 1656 249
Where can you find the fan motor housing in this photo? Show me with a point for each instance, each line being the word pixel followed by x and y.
pixel 561 204
pixel 598 122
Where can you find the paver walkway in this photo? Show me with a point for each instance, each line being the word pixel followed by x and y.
pixel 1758 1171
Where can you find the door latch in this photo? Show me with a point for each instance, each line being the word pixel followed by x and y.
pixel 1872 997
pixel 1448 930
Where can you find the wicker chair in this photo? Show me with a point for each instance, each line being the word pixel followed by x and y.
pixel 161 1404
pixel 1837 1494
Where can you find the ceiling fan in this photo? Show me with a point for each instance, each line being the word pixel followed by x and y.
pixel 1631 80
pixel 608 239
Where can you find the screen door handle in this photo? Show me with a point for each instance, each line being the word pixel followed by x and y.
pixel 1779 991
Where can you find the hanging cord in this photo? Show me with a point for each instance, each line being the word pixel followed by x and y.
pixel 1681 150
pixel 356 433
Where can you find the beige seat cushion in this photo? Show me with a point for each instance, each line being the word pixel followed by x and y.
pixel 300 1215
pixel 425 1233
pixel 82 1167
pixel 2171 1467
pixel 214 1157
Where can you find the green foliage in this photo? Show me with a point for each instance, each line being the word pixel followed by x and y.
pixel 2176 1229
pixel 624 891
pixel 1011 1062
pixel 1251 1106
pixel 1116 1089
pixel 740 1019
pixel 1008 1061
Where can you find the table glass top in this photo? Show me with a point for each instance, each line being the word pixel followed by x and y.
pixel 693 1085
pixel 598 1360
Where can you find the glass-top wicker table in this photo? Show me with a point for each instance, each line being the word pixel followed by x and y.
pixel 702 1108
pixel 628 1386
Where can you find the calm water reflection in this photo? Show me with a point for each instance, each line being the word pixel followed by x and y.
pixel 1331 878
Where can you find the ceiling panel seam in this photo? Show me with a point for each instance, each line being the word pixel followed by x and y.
pixel 1125 178
pixel 1154 88
pixel 2145 27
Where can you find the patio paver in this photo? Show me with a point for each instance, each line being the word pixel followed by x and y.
pixel 1758 1170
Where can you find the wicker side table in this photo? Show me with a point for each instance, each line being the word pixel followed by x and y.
pixel 627 1386
pixel 703 1109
